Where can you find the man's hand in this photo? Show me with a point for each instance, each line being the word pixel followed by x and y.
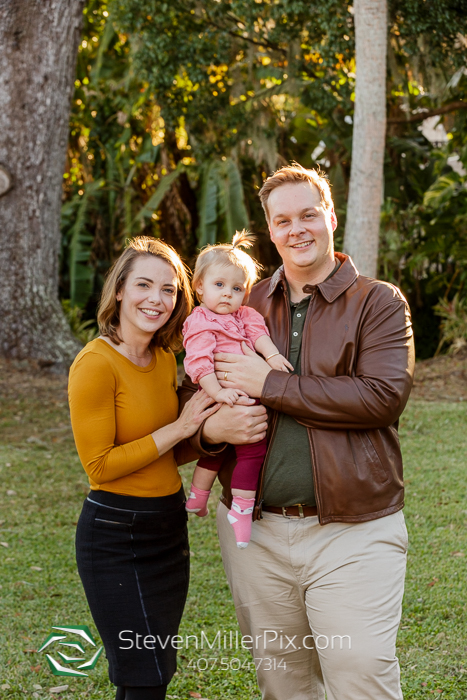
pixel 240 425
pixel 247 372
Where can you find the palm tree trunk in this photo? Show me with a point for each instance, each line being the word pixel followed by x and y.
pixel 39 40
pixel 369 130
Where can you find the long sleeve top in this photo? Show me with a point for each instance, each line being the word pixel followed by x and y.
pixel 205 332
pixel 115 406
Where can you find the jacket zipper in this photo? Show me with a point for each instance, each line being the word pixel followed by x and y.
pixel 308 430
pixel 259 505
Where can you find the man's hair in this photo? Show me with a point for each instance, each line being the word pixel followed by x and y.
pixel 108 315
pixel 296 173
pixel 228 254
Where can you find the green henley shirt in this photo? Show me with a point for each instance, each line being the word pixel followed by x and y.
pixel 288 472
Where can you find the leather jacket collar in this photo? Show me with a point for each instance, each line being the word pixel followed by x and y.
pixel 331 288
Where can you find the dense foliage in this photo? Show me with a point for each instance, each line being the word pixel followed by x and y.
pixel 182 108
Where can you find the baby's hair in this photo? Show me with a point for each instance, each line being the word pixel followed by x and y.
pixel 228 254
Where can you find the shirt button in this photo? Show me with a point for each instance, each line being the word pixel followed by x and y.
pixel 295 333
pixel 299 315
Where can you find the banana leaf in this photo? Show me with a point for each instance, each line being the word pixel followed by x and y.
pixel 155 200
pixel 208 203
pixel 81 273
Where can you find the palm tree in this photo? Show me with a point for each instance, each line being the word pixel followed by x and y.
pixel 369 130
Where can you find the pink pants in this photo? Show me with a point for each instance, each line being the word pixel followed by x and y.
pixel 250 459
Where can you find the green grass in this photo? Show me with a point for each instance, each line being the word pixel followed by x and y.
pixel 38 524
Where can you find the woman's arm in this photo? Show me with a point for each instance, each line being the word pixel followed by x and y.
pixel 92 387
pixel 194 413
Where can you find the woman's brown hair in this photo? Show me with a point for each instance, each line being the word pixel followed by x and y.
pixel 108 315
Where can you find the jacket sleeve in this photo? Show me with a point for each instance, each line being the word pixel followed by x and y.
pixel 373 397
pixel 184 453
pixel 91 392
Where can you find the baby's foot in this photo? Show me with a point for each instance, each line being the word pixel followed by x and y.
pixel 240 517
pixel 197 502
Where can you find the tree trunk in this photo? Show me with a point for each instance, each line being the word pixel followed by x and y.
pixel 369 129
pixel 39 41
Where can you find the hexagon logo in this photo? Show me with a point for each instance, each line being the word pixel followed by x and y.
pixel 72 652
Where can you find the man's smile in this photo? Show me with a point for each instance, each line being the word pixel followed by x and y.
pixel 302 244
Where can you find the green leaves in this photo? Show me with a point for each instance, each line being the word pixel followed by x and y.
pixel 442 190
pixel 164 186
pixel 80 242
pixel 222 207
pixel 454 323
pixel 208 201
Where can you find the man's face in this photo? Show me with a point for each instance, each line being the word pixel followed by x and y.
pixel 300 227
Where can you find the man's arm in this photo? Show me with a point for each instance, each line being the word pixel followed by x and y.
pixel 241 424
pixel 374 397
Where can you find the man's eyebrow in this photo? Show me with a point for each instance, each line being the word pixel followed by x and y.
pixel 279 216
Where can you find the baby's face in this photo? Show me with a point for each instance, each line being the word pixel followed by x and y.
pixel 222 289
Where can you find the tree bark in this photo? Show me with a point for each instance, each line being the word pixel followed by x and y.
pixel 369 130
pixel 38 47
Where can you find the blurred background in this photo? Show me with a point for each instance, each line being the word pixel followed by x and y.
pixel 181 109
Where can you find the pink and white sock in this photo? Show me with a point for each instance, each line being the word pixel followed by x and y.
pixel 240 517
pixel 197 502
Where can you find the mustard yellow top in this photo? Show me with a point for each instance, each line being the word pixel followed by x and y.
pixel 115 406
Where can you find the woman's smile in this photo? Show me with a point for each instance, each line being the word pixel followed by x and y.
pixel 148 296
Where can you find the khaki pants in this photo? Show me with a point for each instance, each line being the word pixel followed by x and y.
pixel 322 604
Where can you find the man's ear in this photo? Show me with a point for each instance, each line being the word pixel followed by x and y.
pixel 333 220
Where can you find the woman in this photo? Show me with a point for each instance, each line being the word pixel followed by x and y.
pixel 131 542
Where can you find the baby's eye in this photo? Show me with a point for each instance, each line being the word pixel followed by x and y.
pixel 218 284
pixel 238 289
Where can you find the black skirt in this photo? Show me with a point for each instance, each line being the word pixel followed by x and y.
pixel 133 560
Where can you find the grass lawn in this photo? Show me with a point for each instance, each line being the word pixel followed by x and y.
pixel 43 486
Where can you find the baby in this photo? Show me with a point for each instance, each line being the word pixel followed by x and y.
pixel 222 281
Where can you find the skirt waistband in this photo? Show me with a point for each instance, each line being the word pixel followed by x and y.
pixel 137 503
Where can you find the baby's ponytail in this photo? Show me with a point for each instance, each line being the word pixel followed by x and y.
pixel 228 254
pixel 243 239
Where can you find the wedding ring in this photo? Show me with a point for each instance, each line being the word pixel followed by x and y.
pixel 225 376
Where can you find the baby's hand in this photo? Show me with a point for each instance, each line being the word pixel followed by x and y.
pixel 229 396
pixel 279 362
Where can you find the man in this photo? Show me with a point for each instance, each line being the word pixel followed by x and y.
pixel 318 591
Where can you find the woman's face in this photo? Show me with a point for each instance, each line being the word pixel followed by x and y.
pixel 148 296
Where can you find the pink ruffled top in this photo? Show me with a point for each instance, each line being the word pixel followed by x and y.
pixel 205 332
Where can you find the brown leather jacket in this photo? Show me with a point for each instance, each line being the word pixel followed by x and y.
pixel 357 371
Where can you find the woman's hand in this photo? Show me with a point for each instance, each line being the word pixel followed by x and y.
pixel 195 412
